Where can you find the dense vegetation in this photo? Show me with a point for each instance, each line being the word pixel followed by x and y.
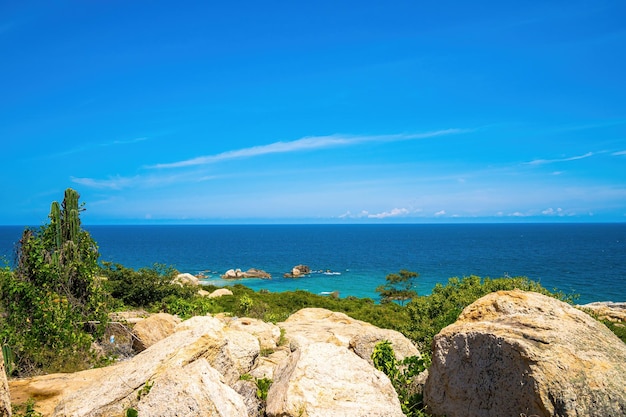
pixel 53 305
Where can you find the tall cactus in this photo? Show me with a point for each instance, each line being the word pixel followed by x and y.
pixel 71 211
pixel 55 224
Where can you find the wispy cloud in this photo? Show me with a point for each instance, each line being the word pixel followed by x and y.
pixel 552 161
pixel 304 144
pixel 89 146
pixel 619 153
pixel 113 183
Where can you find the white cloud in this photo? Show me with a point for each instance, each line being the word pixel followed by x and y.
pixel 551 161
pixel 304 144
pixel 393 213
pixel 115 183
pixel 440 213
pixel 620 153
pixel 551 212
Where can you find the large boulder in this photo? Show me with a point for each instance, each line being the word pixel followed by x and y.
pixel 322 379
pixel 195 389
pixel 267 333
pixel 153 329
pixel 311 325
pixel 515 353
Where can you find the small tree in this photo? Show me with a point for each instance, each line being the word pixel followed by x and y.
pixel 399 287
pixel 53 294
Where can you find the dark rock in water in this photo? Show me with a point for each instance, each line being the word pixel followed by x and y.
pixel 298 271
pixel 250 273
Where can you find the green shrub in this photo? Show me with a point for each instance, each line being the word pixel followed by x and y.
pixel 427 315
pixel 26 410
pixel 401 375
pixel 143 287
pixel 53 303
pixel 262 387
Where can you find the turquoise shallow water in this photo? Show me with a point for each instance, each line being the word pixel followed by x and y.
pixel 588 259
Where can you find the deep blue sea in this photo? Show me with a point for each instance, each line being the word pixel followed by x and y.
pixel 587 259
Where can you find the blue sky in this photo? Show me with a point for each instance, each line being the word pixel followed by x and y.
pixel 303 112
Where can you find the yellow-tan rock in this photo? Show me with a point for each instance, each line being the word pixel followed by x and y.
pixel 153 329
pixel 220 292
pixel 320 325
pixel 515 353
pixel 323 379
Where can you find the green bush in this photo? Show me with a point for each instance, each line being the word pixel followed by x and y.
pixel 53 303
pixel 143 287
pixel 26 410
pixel 401 375
pixel 427 315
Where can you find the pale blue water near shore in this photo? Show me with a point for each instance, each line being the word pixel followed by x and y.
pixel 587 259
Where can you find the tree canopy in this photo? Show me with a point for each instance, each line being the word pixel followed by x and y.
pixel 398 287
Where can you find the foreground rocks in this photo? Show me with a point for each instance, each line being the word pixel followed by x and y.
pixel 511 353
pixel 517 353
pixel 197 371
pixel 323 379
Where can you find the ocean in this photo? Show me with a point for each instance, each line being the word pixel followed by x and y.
pixel 586 259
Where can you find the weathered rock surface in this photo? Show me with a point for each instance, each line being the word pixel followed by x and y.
pixel 194 390
pixel 322 379
pixel 311 325
pixel 513 352
pixel 250 273
pixel 268 334
pixel 153 329
pixel 5 398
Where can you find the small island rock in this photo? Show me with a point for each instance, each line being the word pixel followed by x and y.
pixel 298 271
pixel 250 273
